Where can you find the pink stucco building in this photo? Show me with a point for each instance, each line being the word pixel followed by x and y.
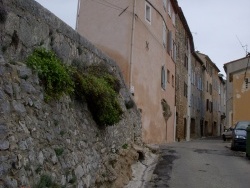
pixel 140 36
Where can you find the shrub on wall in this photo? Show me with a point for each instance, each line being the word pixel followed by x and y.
pixel 101 97
pixel 93 84
pixel 54 75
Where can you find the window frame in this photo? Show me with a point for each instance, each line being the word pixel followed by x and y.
pixel 148 16
pixel 164 35
pixel 165 4
pixel 168 76
pixel 163 78
pixel 173 80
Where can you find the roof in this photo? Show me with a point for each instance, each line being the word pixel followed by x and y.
pixel 208 58
pixel 234 61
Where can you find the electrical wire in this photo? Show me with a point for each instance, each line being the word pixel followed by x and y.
pixel 110 5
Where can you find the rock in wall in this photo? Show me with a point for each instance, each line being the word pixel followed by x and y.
pixel 55 144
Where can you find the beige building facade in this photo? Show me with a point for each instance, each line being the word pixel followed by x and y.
pixel 208 91
pixel 140 37
pixel 238 90
pixel 216 129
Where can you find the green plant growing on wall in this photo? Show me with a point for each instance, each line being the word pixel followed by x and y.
pixel 54 75
pixel 46 181
pixel 101 97
pixel 94 84
pixel 59 151
pixel 101 71
pixel 125 146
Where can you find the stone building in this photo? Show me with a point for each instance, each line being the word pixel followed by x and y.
pixel 208 91
pixel 216 130
pixel 238 90
pixel 185 47
pixel 197 96
pixel 141 37
pixel 213 120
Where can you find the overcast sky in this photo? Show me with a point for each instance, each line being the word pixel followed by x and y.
pixel 216 25
pixel 220 27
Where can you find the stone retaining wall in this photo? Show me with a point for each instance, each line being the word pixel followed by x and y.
pixel 57 141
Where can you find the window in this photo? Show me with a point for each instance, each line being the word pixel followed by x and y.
pixel 163 77
pixel 185 89
pixel 165 4
pixel 247 81
pixel 207 105
pixel 192 101
pixel 164 35
pixel 170 42
pixel 210 89
pixel 148 12
pixel 168 76
pixel 186 61
pixel 192 76
pixel 169 8
pixel 173 18
pixel 174 51
pixel 173 80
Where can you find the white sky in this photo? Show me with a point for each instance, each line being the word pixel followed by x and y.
pixel 215 25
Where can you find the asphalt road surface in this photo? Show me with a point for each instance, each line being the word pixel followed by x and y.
pixel 204 163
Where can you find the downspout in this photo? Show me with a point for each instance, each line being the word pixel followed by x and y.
pixel 131 48
pixel 189 95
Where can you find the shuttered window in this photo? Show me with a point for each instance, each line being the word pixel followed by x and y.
pixel 163 77
pixel 148 13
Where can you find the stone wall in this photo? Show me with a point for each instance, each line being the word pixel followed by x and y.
pixel 181 77
pixel 55 142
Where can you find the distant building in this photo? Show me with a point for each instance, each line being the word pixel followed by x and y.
pixel 217 126
pixel 238 90
pixel 197 96
pixel 222 102
pixel 141 37
pixel 208 89
pixel 213 98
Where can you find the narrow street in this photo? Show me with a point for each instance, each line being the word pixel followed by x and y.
pixel 204 163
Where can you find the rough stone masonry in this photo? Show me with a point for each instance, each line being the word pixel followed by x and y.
pixel 56 143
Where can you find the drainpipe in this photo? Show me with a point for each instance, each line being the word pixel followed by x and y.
pixel 174 123
pixel 131 48
pixel 189 95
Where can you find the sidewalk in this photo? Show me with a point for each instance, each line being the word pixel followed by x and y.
pixel 144 168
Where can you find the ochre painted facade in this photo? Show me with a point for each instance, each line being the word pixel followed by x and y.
pixel 241 96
